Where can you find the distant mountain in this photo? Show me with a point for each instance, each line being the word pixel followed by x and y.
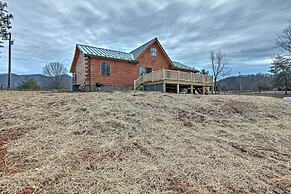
pixel 41 80
pixel 248 82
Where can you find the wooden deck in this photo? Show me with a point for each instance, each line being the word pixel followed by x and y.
pixel 174 78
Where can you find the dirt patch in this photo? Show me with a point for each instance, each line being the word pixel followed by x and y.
pixel 114 154
pixel 87 154
pixel 279 183
pixel 177 185
pixel 187 117
pixel 261 152
pixel 26 191
pixel 234 106
pixel 5 138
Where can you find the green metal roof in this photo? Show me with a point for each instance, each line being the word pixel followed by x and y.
pixel 112 54
pixel 180 65
pixel 105 53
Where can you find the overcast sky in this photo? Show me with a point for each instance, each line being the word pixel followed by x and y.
pixel 245 30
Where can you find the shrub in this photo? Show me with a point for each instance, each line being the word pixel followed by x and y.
pixel 28 84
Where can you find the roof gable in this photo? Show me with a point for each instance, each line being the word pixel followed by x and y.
pixel 138 51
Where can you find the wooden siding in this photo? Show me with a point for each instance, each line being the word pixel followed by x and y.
pixel 80 70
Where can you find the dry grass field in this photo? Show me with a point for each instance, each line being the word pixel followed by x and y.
pixel 143 143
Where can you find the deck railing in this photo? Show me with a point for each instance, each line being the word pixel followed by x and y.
pixel 160 75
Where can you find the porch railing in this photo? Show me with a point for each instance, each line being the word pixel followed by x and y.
pixel 160 75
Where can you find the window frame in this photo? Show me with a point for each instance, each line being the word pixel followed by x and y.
pixel 154 51
pixel 145 70
pixel 108 72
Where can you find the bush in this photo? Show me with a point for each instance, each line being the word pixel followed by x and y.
pixel 28 84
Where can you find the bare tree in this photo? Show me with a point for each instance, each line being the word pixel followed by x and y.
pixel 284 39
pixel 56 75
pixel 220 66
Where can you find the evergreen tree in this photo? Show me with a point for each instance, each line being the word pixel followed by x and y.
pixel 28 84
pixel 281 71
pixel 204 72
pixel 5 22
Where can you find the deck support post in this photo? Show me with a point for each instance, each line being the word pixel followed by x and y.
pixel 204 91
pixel 178 88
pixel 192 89
pixel 164 87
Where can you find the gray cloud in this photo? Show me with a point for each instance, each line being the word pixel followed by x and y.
pixel 47 31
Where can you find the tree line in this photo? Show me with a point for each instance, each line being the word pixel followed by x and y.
pixel 251 82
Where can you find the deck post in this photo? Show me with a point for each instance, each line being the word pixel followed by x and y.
pixel 203 88
pixel 178 75
pixel 164 87
pixel 192 89
pixel 163 74
pixel 134 85
pixel 191 78
pixel 178 88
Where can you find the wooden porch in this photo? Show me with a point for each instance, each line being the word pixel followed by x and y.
pixel 167 80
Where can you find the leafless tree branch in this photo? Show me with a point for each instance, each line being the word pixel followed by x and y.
pixel 284 39
pixel 220 66
pixel 55 74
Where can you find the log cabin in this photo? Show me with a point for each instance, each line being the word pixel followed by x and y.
pixel 147 68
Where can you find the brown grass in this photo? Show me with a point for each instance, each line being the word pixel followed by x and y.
pixel 143 143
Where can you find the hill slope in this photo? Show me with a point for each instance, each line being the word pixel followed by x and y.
pixel 144 142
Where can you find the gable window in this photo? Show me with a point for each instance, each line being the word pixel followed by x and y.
pixel 105 69
pixel 144 70
pixel 154 52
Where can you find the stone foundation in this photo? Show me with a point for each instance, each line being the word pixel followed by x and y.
pixel 104 88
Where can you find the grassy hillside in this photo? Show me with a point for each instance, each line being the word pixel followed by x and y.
pixel 143 143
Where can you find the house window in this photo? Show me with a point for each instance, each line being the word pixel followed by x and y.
pixel 105 69
pixel 154 52
pixel 74 78
pixel 144 70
